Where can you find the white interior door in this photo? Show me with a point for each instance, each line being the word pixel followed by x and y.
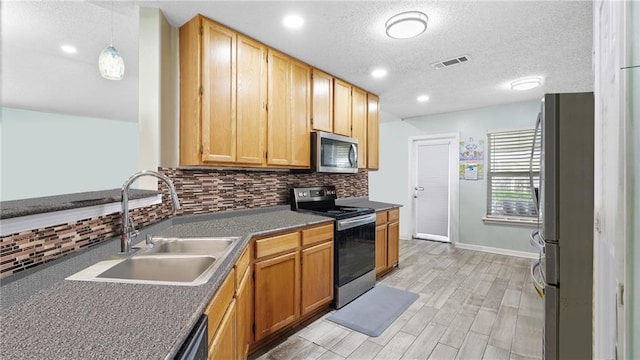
pixel 434 169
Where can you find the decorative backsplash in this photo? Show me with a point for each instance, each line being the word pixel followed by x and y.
pixel 203 190
pixel 199 190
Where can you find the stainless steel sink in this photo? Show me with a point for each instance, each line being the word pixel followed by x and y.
pixel 202 245
pixel 166 269
pixel 171 261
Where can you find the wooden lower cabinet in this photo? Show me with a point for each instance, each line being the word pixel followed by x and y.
pixel 317 279
pixel 293 279
pixel 277 293
pixel 244 317
pixel 381 248
pixel 387 240
pixel 393 243
pixel 223 345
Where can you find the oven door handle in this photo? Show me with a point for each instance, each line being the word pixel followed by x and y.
pixel 355 221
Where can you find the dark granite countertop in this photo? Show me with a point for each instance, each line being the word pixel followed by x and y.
pixel 90 320
pixel 365 202
pixel 39 205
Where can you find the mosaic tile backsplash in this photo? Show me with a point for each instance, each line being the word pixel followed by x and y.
pixel 199 190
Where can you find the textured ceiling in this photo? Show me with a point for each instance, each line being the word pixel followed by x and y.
pixel 505 40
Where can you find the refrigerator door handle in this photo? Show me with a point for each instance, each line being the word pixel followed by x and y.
pixel 536 241
pixel 537 284
pixel 533 149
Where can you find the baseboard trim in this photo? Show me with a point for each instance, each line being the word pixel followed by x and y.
pixel 493 250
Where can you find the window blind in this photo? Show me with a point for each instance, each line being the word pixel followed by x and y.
pixel 509 192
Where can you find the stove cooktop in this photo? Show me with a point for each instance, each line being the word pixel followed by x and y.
pixel 340 212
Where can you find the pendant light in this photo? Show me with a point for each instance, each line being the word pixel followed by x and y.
pixel 110 62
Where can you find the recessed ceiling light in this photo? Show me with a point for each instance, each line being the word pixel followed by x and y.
pixel 423 98
pixel 526 83
pixel 379 73
pixel 293 22
pixel 406 25
pixel 68 49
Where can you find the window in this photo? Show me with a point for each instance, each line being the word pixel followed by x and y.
pixel 509 193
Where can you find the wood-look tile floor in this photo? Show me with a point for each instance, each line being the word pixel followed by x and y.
pixel 472 305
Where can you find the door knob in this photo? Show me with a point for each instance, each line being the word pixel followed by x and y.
pixel 419 188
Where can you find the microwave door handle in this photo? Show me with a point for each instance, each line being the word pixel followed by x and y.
pixel 353 154
pixel 533 149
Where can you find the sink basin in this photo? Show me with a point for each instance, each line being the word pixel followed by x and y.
pixel 202 245
pixel 165 269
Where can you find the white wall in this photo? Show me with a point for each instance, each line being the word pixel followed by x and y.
pixel 46 154
pixel 391 182
pixel 158 121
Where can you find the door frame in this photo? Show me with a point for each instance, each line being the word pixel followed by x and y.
pixel 454 183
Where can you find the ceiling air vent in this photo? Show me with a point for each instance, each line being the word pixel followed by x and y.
pixel 451 62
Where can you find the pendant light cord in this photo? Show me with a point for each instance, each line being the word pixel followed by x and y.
pixel 111 42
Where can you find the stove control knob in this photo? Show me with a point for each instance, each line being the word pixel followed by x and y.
pixel 301 194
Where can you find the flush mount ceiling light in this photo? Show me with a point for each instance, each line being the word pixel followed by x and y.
pixel 406 25
pixel 526 83
pixel 110 63
pixel 68 49
pixel 379 73
pixel 293 22
pixel 423 98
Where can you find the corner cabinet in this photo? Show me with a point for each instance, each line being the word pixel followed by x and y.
pixel 289 93
pixel 387 240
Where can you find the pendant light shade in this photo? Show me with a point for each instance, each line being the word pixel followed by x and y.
pixel 110 63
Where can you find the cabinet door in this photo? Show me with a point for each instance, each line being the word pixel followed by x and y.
pixel 373 132
pixel 218 93
pixel 279 113
pixel 251 115
pixel 393 247
pixel 224 341
pixel 277 288
pixel 317 276
pixel 359 124
pixel 341 108
pixel 244 319
pixel 322 101
pixel 381 248
pixel 300 95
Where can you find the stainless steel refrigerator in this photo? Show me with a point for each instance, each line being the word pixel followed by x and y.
pixel 563 275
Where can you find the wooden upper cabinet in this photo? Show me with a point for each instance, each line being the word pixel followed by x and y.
pixel 218 93
pixel 300 114
pixel 322 101
pixel 288 111
pixel 359 124
pixel 341 108
pixel 373 132
pixel 278 118
pixel 251 115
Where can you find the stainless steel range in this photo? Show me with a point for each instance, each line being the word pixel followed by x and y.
pixel 354 237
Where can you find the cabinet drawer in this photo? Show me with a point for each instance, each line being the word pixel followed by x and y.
pixel 241 266
pixel 218 305
pixel 317 234
pixel 394 215
pixel 277 244
pixel 381 218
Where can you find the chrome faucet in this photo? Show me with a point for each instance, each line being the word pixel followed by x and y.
pixel 129 232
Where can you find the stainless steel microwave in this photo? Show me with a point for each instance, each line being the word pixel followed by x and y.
pixel 331 153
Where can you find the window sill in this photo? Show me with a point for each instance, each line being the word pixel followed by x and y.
pixel 525 222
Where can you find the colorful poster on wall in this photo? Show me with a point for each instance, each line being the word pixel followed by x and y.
pixel 472 159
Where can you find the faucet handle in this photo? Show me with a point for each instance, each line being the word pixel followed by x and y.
pixel 149 241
